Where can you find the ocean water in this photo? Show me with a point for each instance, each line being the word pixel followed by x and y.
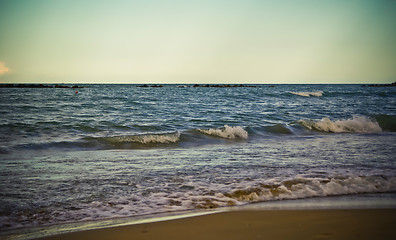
pixel 112 151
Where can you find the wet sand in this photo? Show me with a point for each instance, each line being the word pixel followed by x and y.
pixel 258 224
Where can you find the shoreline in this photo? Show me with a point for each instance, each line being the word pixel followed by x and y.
pixel 257 224
pixel 354 203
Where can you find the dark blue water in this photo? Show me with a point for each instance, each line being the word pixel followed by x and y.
pixel 122 150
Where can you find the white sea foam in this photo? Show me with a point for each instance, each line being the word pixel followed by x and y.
pixel 308 94
pixel 205 195
pixel 214 195
pixel 311 187
pixel 357 124
pixel 145 139
pixel 228 132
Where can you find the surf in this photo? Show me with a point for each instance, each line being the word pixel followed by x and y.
pixel 298 188
pixel 228 132
pixel 354 125
pixel 135 141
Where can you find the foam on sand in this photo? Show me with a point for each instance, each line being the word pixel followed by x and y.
pixel 312 187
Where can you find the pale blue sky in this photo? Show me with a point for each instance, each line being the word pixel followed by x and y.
pixel 296 41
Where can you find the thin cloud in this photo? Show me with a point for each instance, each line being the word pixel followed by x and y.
pixel 3 68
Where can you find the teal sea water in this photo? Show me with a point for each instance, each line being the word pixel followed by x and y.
pixel 113 151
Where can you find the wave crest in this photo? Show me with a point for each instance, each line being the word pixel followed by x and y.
pixel 357 124
pixel 228 132
pixel 386 122
pixel 142 139
pixel 308 94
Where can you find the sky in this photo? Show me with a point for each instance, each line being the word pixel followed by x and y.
pixel 214 41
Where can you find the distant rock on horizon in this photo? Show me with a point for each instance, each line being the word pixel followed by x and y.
pixel 381 85
pixel 36 86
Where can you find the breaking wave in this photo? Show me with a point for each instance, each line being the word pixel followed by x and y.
pixel 144 139
pixel 193 137
pixel 356 124
pixel 297 188
pixel 215 196
pixel 227 132
pixel 199 195
pixel 308 94
pixel 313 187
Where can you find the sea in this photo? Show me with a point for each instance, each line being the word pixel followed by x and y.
pixel 110 151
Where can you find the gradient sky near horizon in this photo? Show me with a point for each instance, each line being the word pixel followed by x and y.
pixel 172 41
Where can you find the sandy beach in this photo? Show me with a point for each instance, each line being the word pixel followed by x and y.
pixel 259 224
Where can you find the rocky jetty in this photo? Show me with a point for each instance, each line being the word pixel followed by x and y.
pixel 154 86
pixel 224 85
pixel 36 86
pixel 202 85
pixel 381 85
